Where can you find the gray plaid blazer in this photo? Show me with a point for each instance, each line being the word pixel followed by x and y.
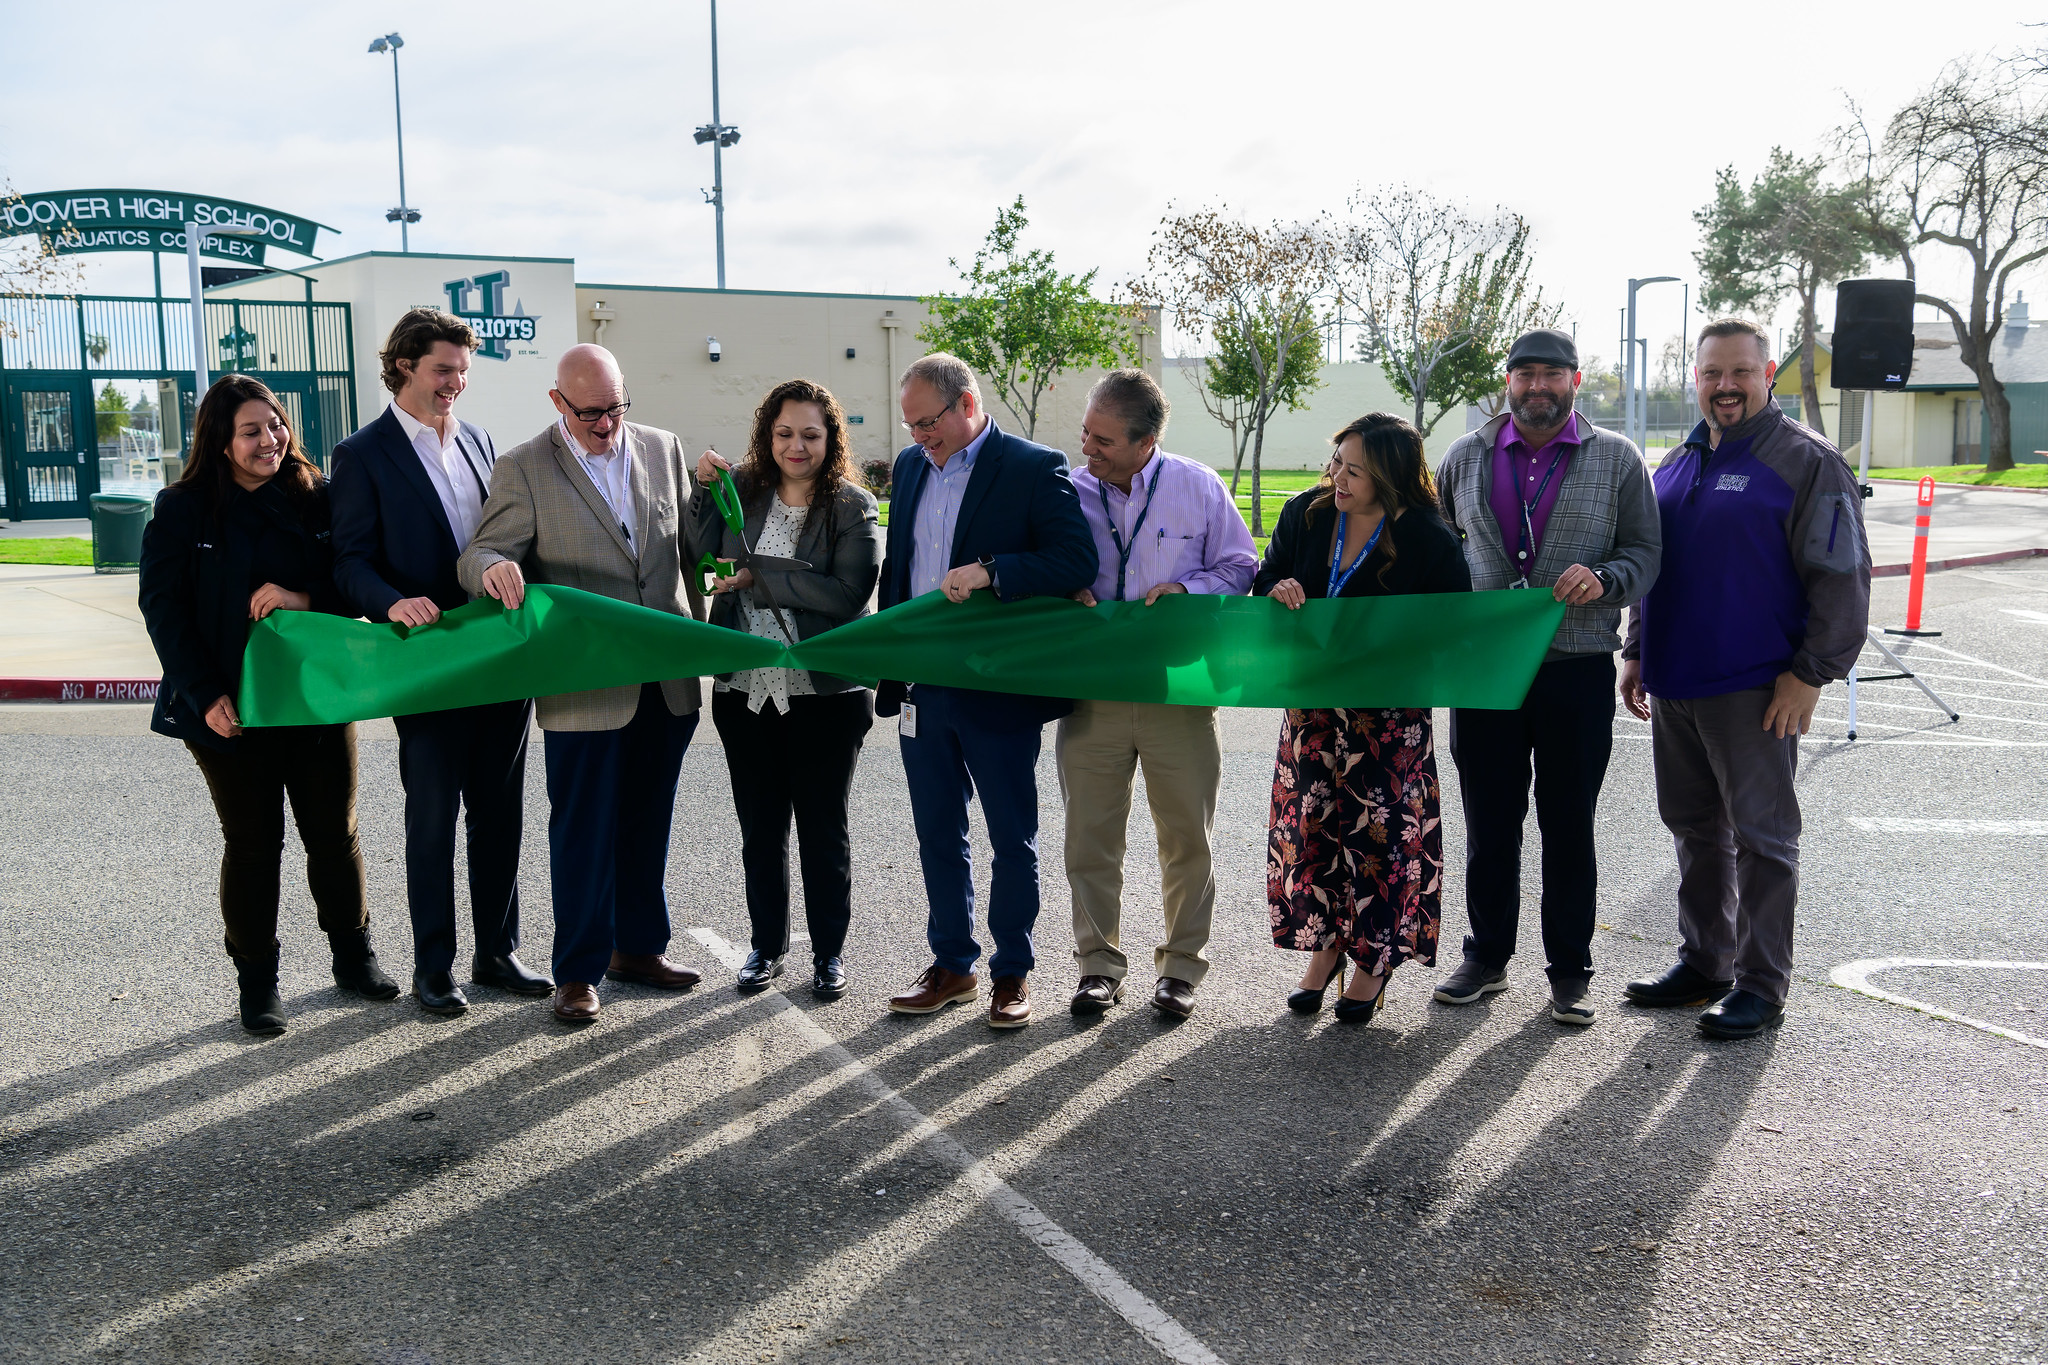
pixel 1605 518
pixel 546 515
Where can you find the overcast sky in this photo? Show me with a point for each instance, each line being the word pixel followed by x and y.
pixel 880 138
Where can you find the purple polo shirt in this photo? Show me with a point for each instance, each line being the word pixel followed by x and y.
pixel 1517 473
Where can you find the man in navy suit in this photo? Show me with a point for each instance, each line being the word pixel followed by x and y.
pixel 408 494
pixel 972 507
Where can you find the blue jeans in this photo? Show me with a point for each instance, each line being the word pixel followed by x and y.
pixel 954 755
pixel 611 803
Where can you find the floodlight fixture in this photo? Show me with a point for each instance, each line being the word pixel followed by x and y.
pixel 403 215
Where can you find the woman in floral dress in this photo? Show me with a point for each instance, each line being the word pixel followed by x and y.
pixel 1354 859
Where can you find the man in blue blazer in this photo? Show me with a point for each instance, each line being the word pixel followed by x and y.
pixel 408 493
pixel 972 507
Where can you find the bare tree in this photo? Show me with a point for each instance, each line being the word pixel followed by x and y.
pixel 1254 292
pixel 30 264
pixel 1966 164
pixel 1441 295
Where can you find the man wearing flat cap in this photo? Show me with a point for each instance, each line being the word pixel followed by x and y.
pixel 1545 501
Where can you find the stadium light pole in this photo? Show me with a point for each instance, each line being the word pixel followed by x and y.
pixel 720 136
pixel 403 215
pixel 1638 413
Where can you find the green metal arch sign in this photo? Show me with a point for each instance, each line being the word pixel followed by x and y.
pixel 154 220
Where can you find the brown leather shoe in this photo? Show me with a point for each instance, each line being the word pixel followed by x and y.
pixel 935 990
pixel 575 1002
pixel 652 969
pixel 1174 996
pixel 1097 993
pixel 1009 1002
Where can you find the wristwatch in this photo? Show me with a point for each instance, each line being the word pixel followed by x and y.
pixel 1606 581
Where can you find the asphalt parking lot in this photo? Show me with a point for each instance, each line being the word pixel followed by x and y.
pixel 708 1177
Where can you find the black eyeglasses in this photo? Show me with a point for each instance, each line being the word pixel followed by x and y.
pixel 925 426
pixel 596 415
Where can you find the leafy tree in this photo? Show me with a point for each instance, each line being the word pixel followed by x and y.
pixel 1254 293
pixel 1229 385
pixel 1442 296
pixel 1022 323
pixel 1788 232
pixel 110 412
pixel 1965 166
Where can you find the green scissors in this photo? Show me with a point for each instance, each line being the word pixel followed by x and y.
pixel 727 496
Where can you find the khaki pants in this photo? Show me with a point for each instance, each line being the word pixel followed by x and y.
pixel 1100 746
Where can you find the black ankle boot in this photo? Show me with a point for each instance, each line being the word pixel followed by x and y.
pixel 355 966
pixel 262 1010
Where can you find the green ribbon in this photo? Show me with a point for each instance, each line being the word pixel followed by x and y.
pixel 1479 649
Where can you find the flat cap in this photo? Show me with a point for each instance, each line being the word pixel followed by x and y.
pixel 1545 346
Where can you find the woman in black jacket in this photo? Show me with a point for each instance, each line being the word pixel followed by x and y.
pixel 1354 857
pixel 244 533
pixel 792 737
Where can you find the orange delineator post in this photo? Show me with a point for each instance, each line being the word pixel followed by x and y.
pixel 1920 525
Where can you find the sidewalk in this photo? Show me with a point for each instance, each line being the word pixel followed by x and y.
pixel 46 530
pixel 1966 522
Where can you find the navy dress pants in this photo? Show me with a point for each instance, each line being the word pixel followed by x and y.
pixel 1565 729
pixel 955 754
pixel 611 803
pixel 473 757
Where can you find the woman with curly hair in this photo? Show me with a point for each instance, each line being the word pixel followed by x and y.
pixel 1354 858
pixel 792 737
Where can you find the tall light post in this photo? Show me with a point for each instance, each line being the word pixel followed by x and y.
pixel 404 216
pixel 1637 412
pixel 720 136
pixel 194 235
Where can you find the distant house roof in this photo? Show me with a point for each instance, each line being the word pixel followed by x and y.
pixel 2019 354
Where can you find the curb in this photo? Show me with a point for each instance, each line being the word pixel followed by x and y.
pixel 79 689
pixel 1934 565
pixel 1972 487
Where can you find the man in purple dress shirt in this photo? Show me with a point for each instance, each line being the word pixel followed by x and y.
pixel 1543 499
pixel 1162 524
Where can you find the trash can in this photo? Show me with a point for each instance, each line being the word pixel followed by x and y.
pixel 117 522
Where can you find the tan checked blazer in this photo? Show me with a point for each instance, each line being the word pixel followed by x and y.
pixel 546 515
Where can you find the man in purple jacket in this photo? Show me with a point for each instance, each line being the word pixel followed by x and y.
pixel 1764 599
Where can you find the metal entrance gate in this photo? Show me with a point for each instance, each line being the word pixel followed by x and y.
pixel 96 392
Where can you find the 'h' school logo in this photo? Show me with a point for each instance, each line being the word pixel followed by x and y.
pixel 493 324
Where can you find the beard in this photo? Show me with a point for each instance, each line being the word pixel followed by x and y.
pixel 1540 411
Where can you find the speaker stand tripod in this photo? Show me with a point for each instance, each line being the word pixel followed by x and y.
pixel 1904 673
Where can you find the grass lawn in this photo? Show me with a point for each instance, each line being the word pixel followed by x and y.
pixel 69 550
pixel 2019 476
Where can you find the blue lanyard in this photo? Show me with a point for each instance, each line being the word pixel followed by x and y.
pixel 1123 551
pixel 1528 505
pixel 1337 580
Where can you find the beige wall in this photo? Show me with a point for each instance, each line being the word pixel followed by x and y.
pixel 1294 440
pixel 508 398
pixel 660 336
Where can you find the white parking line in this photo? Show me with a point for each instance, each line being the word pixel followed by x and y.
pixel 1856 977
pixel 1880 824
pixel 1152 1322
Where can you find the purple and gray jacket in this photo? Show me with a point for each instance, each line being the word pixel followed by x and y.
pixel 1766 567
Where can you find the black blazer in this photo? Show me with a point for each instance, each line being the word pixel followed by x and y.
pixel 391 536
pixel 1427 554
pixel 1020 507
pixel 841 540
pixel 194 594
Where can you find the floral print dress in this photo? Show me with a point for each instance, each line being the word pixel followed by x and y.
pixel 1355 853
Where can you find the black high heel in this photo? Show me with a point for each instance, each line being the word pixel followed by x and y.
pixel 1305 1001
pixel 1349 1011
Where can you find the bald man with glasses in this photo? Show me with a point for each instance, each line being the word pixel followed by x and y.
pixel 596 502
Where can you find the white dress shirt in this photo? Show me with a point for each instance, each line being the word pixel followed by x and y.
pixel 453 471
pixel 611 469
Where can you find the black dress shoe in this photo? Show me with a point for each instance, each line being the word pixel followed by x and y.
pixel 757 971
pixel 1740 1014
pixel 1681 985
pixel 1305 1001
pixel 1096 994
pixel 1173 996
pixel 1349 1011
pixel 438 993
pixel 508 973
pixel 828 978
pixel 356 968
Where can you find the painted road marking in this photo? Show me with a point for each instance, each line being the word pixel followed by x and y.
pixel 1154 1323
pixel 1878 824
pixel 2036 618
pixel 1856 977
